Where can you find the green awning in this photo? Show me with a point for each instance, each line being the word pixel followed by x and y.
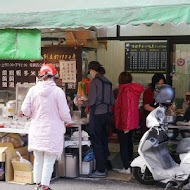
pixel 87 13
pixel 22 44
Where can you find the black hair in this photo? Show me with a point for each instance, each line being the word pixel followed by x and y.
pixel 45 77
pixel 125 77
pixel 156 78
pixel 95 65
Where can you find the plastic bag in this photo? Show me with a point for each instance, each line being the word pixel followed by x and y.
pixel 83 87
pixel 24 160
pixel 88 156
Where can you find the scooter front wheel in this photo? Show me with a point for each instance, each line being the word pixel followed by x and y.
pixel 144 178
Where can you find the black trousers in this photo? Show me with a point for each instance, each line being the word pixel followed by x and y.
pixel 99 140
pixel 126 147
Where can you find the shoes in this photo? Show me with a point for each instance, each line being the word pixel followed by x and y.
pixel 97 174
pixel 124 171
pixel 41 188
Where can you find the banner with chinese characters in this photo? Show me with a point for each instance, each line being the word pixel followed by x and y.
pixel 146 57
pixel 70 65
pixel 68 71
pixel 20 71
pixel 17 72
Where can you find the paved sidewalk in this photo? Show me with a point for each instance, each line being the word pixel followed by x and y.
pixel 84 184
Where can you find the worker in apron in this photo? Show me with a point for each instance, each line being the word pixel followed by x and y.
pixel 100 100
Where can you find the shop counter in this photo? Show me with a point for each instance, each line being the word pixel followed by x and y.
pixel 180 127
pixel 68 143
pixel 73 144
pixel 13 130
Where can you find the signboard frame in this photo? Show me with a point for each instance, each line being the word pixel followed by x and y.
pixel 146 57
pixel 25 71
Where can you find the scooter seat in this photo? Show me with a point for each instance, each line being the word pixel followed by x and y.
pixel 183 146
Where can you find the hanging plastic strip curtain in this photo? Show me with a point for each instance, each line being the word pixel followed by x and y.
pixel 20 44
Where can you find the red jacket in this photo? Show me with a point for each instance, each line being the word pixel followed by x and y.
pixel 127 106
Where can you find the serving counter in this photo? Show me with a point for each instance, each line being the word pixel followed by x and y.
pixel 69 143
pixel 180 127
pixel 13 130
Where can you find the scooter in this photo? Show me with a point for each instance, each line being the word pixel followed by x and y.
pixel 154 163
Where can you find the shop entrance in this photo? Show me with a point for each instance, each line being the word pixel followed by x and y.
pixel 181 69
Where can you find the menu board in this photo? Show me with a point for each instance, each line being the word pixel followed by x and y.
pixel 146 57
pixel 19 71
pixel 13 72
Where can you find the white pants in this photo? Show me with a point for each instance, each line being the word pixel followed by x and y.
pixel 43 167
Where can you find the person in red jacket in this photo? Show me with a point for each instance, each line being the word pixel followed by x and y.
pixel 127 116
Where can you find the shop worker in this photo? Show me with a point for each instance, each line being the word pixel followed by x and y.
pixel 100 100
pixel 158 79
pixel 46 105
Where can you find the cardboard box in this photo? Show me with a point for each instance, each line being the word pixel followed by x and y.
pixel 22 171
pixel 3 148
pixel 10 154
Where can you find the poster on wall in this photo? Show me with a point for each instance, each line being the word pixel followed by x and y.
pixel 147 57
pixel 68 71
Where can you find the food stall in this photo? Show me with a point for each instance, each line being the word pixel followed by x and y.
pixel 14 123
pixel 50 20
pixel 68 62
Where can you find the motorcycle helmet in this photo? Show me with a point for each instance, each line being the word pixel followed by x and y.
pixel 47 69
pixel 164 94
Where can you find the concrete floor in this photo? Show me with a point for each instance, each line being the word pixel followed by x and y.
pixel 83 184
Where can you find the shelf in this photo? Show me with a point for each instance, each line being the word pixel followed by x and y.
pixel 68 143
pixel 74 144
pixel 180 127
pixel 11 130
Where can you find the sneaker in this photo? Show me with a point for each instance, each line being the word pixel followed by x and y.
pixel 42 188
pixel 97 174
pixel 124 171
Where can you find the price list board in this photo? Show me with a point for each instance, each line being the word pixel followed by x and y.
pixel 146 57
pixel 19 71
pixel 13 72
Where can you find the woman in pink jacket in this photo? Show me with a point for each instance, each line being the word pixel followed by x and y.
pixel 46 105
pixel 127 116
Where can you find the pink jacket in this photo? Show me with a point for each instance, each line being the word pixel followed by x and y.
pixel 126 107
pixel 46 104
